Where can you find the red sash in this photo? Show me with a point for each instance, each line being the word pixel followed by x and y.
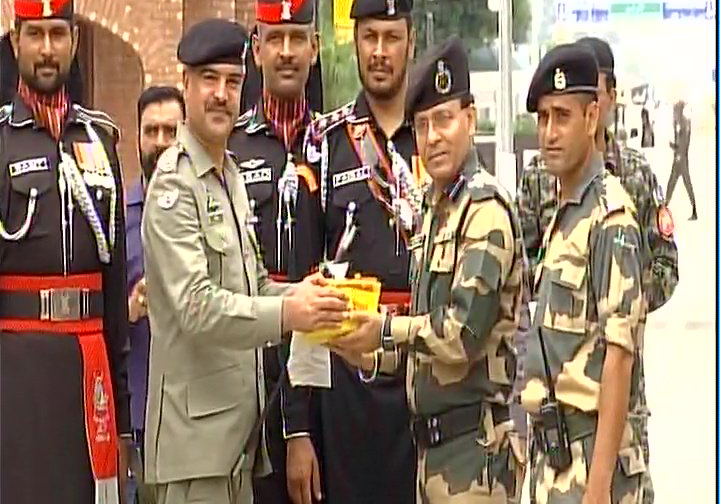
pixel 98 401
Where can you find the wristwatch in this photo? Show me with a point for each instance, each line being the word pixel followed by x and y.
pixel 386 339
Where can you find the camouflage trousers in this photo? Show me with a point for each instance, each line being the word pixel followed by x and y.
pixel 630 481
pixel 469 470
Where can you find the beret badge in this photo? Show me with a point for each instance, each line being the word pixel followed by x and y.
pixel 443 79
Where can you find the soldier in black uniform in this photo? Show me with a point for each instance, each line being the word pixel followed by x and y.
pixel 64 409
pixel 283 192
pixel 365 155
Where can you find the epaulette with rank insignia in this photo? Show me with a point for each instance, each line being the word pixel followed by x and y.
pixel 99 118
pixel 613 195
pixel 5 112
pixel 326 122
pixel 244 119
pixel 168 161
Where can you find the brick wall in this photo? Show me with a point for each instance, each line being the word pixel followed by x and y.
pixel 118 82
pixel 245 12
pixel 197 10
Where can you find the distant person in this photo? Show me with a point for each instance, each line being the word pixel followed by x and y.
pixel 648 135
pixel 680 147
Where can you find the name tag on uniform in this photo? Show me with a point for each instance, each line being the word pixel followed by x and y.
pixel 350 176
pixel 29 166
pixel 255 176
pixel 416 242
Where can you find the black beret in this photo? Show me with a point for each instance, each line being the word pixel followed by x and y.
pixel 381 9
pixel 438 76
pixel 213 41
pixel 602 51
pixel 565 69
pixel 285 11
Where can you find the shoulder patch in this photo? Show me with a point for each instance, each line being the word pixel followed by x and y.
pixel 98 118
pixel 323 124
pixel 168 161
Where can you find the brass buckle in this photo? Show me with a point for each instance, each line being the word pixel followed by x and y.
pixel 64 305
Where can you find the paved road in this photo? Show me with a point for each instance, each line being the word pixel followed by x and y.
pixel 681 342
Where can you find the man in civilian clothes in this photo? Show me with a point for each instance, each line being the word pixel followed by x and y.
pixel 160 109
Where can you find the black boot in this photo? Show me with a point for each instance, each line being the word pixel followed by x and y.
pixel 693 217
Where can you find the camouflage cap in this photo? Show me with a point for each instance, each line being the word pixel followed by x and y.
pixel 565 69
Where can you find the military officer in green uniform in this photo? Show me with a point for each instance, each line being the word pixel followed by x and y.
pixel 466 276
pixel 211 303
pixel 584 349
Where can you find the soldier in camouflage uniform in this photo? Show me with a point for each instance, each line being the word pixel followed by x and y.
pixel 590 304
pixel 538 199
pixel 466 277
pixel 538 193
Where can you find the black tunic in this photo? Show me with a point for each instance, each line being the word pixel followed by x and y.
pixel 368 453
pixel 262 157
pixel 43 449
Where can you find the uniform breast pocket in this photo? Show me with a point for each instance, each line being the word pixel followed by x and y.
pixel 102 198
pixel 355 192
pixel 216 393
pixel 351 199
pixel 566 308
pixel 442 266
pixel 443 252
pixel 217 247
pixel 28 190
pixel 260 197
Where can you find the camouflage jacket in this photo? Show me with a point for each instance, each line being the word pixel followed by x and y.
pixel 537 200
pixel 589 295
pixel 467 282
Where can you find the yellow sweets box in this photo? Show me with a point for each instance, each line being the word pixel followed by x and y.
pixel 364 295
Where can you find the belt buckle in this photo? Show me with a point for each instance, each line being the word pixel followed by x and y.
pixel 63 305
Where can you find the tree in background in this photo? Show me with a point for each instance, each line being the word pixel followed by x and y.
pixel 340 79
pixel 470 19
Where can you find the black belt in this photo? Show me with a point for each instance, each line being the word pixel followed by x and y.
pixel 51 304
pixel 579 426
pixel 433 430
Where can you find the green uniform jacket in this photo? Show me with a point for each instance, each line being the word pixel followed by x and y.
pixel 211 307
